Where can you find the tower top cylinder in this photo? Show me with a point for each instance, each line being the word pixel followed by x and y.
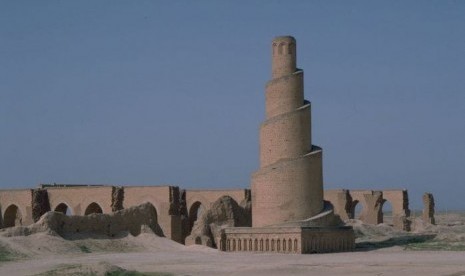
pixel 283 56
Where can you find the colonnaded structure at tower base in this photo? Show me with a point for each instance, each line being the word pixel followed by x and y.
pixel 290 212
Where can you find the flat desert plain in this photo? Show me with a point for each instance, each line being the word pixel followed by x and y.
pixel 381 250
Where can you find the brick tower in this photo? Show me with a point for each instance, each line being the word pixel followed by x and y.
pixel 289 184
pixel 289 214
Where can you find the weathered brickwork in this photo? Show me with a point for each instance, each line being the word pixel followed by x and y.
pixel 289 214
pixel 289 184
pixel 23 207
pixel 372 202
pixel 40 204
pixel 117 198
pixel 428 208
pixel 292 240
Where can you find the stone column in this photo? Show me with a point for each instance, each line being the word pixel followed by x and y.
pixel 373 213
pixel 428 208
pixel 40 203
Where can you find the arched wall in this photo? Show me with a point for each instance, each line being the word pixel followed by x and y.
pixel 385 216
pixel 62 199
pixel 341 201
pixel 20 198
pixel 93 208
pixel 12 216
pixel 353 214
pixel 208 197
pixel 193 213
pixel 78 198
pixel 191 200
pixel 400 208
pixel 372 202
pixel 159 197
pixel 399 201
pixel 58 208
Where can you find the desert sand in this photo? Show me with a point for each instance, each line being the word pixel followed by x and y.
pixel 381 250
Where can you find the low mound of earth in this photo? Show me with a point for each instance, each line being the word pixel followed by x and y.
pixel 224 212
pixel 381 250
pixel 97 269
pixel 134 220
pixel 448 234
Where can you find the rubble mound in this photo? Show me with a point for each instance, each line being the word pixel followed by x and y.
pixel 133 220
pixel 225 212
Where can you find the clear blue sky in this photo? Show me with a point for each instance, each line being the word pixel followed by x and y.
pixel 148 92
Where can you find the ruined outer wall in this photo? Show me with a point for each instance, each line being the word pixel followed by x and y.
pixel 167 203
pixel 79 198
pixel 133 220
pixel 341 201
pixel 162 199
pixel 428 208
pixel 344 202
pixel 208 197
pixel 400 208
pixel 372 202
pixel 22 199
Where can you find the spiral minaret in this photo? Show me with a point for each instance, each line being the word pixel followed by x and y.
pixel 289 184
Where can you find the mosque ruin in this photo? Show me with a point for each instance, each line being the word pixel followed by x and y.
pixel 285 211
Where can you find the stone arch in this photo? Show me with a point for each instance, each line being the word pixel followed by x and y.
pixel 194 211
pixel 64 209
pixel 356 210
pixel 387 211
pixel 198 240
pixel 371 201
pixel 12 216
pixel 136 231
pixel 93 208
pixel 400 208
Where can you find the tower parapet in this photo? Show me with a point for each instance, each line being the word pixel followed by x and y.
pixel 284 56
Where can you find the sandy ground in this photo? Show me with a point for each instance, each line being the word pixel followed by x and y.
pixel 429 250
